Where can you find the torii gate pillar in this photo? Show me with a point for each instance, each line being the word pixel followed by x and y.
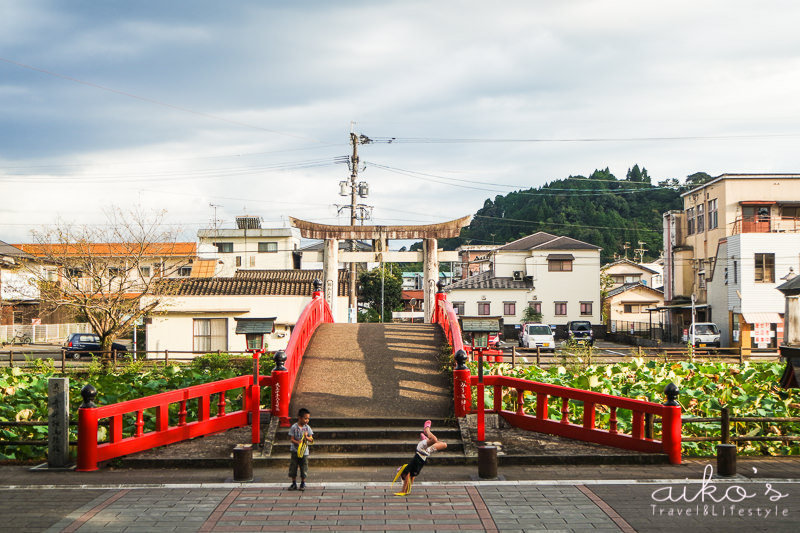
pixel 431 276
pixel 330 273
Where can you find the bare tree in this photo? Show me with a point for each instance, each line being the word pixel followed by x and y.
pixel 101 273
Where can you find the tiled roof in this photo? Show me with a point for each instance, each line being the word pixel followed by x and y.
pixel 546 241
pixel 12 251
pixel 624 261
pixel 627 287
pixel 254 283
pixel 156 249
pixel 485 280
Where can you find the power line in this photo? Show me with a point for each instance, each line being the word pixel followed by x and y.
pixel 456 140
pixel 541 192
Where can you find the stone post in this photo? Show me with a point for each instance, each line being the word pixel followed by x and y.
pixel 58 422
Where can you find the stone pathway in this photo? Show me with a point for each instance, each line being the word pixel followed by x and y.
pixel 608 505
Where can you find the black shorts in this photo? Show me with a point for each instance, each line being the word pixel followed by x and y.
pixel 414 467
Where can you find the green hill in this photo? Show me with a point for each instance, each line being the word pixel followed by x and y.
pixel 600 210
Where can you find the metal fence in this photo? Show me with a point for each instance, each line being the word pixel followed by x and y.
pixel 40 334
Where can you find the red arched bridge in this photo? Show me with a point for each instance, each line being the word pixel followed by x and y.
pixel 654 428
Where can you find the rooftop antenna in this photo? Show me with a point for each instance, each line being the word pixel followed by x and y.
pixel 215 220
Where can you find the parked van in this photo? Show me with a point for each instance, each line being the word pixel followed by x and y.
pixel 705 334
pixel 533 335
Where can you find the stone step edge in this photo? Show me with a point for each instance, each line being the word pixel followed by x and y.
pixel 502 460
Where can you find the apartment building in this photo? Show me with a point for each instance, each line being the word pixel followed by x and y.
pixel 734 225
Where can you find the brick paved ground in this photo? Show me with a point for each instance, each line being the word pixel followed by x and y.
pixel 569 498
pixel 505 507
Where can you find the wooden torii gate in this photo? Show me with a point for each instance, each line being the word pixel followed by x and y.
pixel 380 235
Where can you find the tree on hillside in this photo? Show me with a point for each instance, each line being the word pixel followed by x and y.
pixel 381 284
pixel 697 179
pixel 102 273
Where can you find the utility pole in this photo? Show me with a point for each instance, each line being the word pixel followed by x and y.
pixel 357 211
pixel 640 251
pixel 352 302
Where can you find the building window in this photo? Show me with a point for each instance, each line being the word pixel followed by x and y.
pixel 690 221
pixel 458 307
pixel 559 265
pixel 224 247
pixel 484 308
pixel 561 308
pixel 536 306
pixel 586 308
pixel 210 334
pixel 145 271
pixel 713 216
pixel 185 271
pixel 509 308
pixel 252 261
pixel 701 218
pixel 630 308
pixel 267 247
pixel 736 272
pixel 765 268
pixel 238 260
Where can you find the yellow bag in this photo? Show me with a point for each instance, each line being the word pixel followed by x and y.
pixel 301 448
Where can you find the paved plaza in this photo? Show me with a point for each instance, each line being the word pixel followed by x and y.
pixel 765 496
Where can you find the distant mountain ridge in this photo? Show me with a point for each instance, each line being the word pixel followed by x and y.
pixel 600 210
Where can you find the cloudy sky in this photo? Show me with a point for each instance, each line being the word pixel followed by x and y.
pixel 248 105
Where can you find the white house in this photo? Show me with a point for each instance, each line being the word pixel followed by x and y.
pixel 198 314
pixel 557 276
pixel 249 247
pixel 742 287
pixel 625 271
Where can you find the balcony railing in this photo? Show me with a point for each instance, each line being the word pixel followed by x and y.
pixel 766 224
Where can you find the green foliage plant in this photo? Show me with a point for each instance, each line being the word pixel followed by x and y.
pixel 748 389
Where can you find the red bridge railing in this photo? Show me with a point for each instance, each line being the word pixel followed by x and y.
pixel 211 418
pixel 91 451
pixel 317 312
pixel 641 437
pixel 643 414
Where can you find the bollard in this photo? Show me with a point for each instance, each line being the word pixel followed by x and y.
pixel 726 459
pixel 243 463
pixel 487 462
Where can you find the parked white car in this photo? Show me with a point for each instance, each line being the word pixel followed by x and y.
pixel 533 335
pixel 705 334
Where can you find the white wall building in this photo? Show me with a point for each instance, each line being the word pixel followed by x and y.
pixel 249 247
pixel 199 314
pixel 558 276
pixel 742 288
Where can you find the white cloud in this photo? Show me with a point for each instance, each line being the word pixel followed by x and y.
pixel 206 103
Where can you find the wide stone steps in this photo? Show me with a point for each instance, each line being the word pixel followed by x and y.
pixel 371 441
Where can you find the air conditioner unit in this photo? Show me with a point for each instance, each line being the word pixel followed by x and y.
pixel 518 275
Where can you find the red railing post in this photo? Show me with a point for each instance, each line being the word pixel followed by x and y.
pixel 461 385
pixel 671 425
pixel 280 389
pixel 255 401
pixel 87 431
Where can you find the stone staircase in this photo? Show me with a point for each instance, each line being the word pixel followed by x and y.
pixel 371 442
pixel 369 388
